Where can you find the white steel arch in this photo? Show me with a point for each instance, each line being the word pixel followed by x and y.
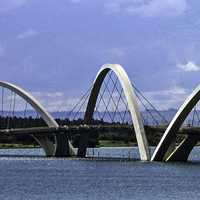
pixel 132 105
pixel 44 142
pixel 164 151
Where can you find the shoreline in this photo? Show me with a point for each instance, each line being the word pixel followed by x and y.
pixel 103 144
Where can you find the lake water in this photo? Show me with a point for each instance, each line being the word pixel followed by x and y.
pixel 24 175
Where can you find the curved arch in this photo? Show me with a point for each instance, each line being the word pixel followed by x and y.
pixel 44 142
pixel 132 105
pixel 163 149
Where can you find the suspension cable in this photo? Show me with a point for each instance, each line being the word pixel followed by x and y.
pixel 24 115
pixel 198 118
pixel 81 106
pixel 13 110
pixel 115 112
pixel 77 104
pixel 154 108
pixel 10 108
pixel 139 98
pixel 106 86
pixel 125 112
pixel 119 92
pixel 111 96
pixel 101 96
pixel 2 107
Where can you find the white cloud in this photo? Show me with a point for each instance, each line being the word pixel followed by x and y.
pixel 55 101
pixel 9 5
pixel 74 1
pixel 27 34
pixel 115 53
pixel 113 7
pixel 161 99
pixel 166 99
pixel 59 101
pixel 157 8
pixel 189 67
pixel 48 94
pixel 151 8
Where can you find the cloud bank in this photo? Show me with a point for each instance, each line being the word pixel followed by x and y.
pixel 169 98
pixel 152 8
pixel 189 67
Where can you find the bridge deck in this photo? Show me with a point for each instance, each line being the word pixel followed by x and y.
pixel 194 131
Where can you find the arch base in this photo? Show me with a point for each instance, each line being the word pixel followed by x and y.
pixel 182 152
pixel 46 144
pixel 131 99
pixel 173 128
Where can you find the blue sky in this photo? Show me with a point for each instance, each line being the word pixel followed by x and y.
pixel 55 48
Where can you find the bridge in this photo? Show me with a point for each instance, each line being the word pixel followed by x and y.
pixel 113 99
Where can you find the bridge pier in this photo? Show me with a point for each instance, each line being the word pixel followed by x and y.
pixel 83 143
pixel 62 148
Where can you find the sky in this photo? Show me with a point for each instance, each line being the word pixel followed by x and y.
pixel 55 48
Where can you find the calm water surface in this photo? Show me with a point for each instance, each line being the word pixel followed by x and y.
pixel 32 177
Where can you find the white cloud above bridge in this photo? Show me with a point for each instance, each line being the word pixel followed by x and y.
pixel 169 98
pixel 56 101
pixel 59 46
pixel 152 8
pixel 189 67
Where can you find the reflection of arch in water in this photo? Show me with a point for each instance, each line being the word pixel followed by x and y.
pixel 132 105
pixel 48 146
pixel 166 149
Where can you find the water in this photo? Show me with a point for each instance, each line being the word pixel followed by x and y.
pixel 32 177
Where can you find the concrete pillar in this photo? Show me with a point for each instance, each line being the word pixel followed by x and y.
pixel 62 145
pixel 83 144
